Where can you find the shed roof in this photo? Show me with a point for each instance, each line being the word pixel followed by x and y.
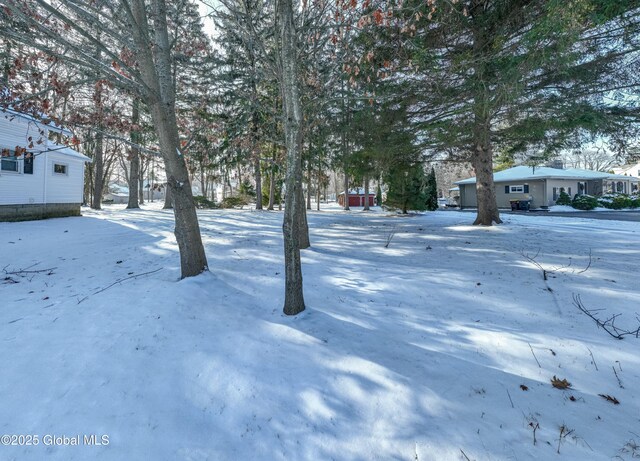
pixel 358 191
pixel 524 173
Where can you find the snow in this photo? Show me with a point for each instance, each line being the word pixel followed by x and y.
pixel 415 351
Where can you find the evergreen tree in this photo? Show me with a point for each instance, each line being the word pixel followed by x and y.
pixel 406 188
pixel 431 191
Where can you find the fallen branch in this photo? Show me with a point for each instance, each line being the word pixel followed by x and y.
pixel 390 236
pixel 119 281
pixel 608 325
pixel 25 271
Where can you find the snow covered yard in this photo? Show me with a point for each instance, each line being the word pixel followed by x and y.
pixel 440 347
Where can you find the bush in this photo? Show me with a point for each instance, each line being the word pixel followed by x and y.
pixel 635 201
pixel 564 199
pixel 203 203
pixel 232 202
pixel 615 201
pixel 584 202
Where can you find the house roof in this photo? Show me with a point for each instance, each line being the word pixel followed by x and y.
pixel 64 150
pixel 51 126
pixel 524 173
pixel 358 191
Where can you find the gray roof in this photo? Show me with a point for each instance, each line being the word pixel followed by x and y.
pixel 527 173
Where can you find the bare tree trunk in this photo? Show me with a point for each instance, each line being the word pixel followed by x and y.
pixel 346 192
pixel 155 69
pixel 318 188
pixel 309 183
pixel 366 193
pixel 258 176
pixel 272 190
pixel 134 169
pixel 292 109
pixel 98 172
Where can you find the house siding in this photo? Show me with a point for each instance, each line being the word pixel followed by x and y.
pixel 468 197
pixel 43 186
pixel 64 188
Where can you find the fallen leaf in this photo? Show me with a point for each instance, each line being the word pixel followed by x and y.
pixel 560 383
pixel 572 398
pixel 523 387
pixel 610 399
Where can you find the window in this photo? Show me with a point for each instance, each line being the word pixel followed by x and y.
pixel 555 194
pixel 59 168
pixel 9 164
pixel 28 163
pixel 516 189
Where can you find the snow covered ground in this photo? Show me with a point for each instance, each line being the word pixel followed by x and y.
pixel 440 347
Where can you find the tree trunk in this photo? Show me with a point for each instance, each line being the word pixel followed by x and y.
pixel 98 172
pixel 304 226
pixel 292 111
pixel 318 188
pixel 482 155
pixel 168 203
pixel 272 190
pixel 366 193
pixel 141 187
pixel 155 68
pixel 346 192
pixel 134 168
pixel 258 183
pixel 309 184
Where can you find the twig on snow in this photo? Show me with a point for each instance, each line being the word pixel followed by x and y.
pixel 390 236
pixel 607 325
pixel 119 281
pixel 617 377
pixel 593 360
pixel 534 355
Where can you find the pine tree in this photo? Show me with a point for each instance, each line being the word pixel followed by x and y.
pixel 431 191
pixel 406 188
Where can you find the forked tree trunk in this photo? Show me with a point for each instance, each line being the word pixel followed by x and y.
pixel 155 69
pixel 134 163
pixel 294 205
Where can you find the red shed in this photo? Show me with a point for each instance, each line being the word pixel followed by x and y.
pixel 357 198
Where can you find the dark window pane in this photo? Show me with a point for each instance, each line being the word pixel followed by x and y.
pixel 28 164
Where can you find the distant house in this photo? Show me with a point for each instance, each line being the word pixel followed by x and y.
pixel 542 185
pixel 628 170
pixel 38 178
pixel 357 198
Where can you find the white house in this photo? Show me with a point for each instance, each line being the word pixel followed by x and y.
pixel 628 170
pixel 38 178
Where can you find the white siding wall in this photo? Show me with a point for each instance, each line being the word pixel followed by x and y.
pixel 19 188
pixel 64 188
